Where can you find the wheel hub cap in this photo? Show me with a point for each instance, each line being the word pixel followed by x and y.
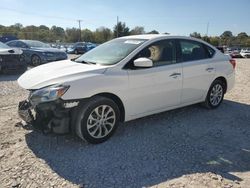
pixel 101 121
pixel 216 95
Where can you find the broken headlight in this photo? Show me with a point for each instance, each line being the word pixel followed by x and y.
pixel 47 94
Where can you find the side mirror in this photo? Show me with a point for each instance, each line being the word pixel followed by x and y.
pixel 143 62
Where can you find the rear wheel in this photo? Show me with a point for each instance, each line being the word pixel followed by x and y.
pixel 97 120
pixel 215 94
pixel 76 51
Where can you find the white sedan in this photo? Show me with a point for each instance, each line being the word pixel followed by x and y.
pixel 245 53
pixel 124 79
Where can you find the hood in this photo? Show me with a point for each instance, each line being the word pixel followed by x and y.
pixel 57 73
pixel 7 51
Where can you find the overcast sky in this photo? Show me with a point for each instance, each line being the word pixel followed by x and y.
pixel 172 16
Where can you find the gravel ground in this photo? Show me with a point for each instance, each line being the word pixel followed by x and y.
pixel 187 147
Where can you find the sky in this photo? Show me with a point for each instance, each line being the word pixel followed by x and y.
pixel 173 16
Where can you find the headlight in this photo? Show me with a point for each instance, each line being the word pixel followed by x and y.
pixel 47 94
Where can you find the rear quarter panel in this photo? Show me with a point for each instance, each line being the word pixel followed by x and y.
pixel 225 69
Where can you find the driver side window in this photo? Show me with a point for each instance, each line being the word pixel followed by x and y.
pixel 161 53
pixel 21 45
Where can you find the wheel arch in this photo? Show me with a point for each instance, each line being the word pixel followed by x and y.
pixel 117 100
pixel 35 54
pixel 224 80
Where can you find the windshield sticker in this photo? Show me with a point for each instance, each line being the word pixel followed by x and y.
pixel 133 41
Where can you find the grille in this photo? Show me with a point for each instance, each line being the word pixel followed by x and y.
pixel 10 58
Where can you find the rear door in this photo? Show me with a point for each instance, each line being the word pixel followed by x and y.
pixel 198 69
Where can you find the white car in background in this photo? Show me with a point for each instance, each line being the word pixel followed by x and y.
pixel 124 79
pixel 245 53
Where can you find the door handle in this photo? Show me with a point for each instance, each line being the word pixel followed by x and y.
pixel 210 69
pixel 175 75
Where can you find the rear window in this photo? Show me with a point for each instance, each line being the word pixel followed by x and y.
pixel 211 51
pixel 12 43
pixel 192 50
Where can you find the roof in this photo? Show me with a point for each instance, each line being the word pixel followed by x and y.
pixel 146 36
pixel 154 36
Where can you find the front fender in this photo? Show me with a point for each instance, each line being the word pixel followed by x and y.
pixel 96 84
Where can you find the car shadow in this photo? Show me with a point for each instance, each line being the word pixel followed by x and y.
pixel 9 77
pixel 155 149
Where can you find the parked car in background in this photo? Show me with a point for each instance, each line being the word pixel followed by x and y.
pixel 11 59
pixel 78 48
pixel 124 79
pixel 7 38
pixel 91 46
pixel 36 52
pixel 235 53
pixel 245 53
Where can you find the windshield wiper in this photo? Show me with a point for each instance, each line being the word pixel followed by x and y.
pixel 85 62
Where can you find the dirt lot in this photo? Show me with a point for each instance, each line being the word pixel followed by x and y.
pixel 188 147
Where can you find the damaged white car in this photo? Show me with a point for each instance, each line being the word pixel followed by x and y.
pixel 124 79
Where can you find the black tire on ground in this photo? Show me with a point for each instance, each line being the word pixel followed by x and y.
pixel 35 60
pixel 76 51
pixel 209 102
pixel 81 118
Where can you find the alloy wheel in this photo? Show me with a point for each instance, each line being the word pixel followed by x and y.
pixel 101 121
pixel 216 94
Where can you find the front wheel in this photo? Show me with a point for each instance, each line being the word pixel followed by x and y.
pixel 36 60
pixel 215 94
pixel 97 120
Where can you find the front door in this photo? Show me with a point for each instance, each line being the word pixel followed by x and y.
pixel 158 87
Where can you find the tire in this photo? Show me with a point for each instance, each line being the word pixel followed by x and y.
pixel 76 52
pixel 97 120
pixel 35 60
pixel 215 94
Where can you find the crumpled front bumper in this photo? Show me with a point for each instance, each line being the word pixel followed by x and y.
pixel 24 111
pixel 49 117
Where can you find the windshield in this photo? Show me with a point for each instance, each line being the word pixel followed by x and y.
pixel 36 44
pixel 2 45
pixel 111 52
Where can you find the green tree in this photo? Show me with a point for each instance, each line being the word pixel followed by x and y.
pixel 44 27
pixel 87 35
pixel 103 34
pixel 120 30
pixel 138 30
pixel 195 35
pixel 226 34
pixel 242 35
pixel 153 32
pixel 227 38
pixel 215 41
pixel 57 33
pixel 72 34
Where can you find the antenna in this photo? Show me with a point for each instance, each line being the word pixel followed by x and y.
pixel 80 29
pixel 207 28
pixel 117 30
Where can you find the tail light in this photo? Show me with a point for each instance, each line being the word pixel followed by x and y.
pixel 233 63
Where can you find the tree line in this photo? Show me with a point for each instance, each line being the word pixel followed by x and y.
pixel 226 39
pixel 69 35
pixel 103 34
